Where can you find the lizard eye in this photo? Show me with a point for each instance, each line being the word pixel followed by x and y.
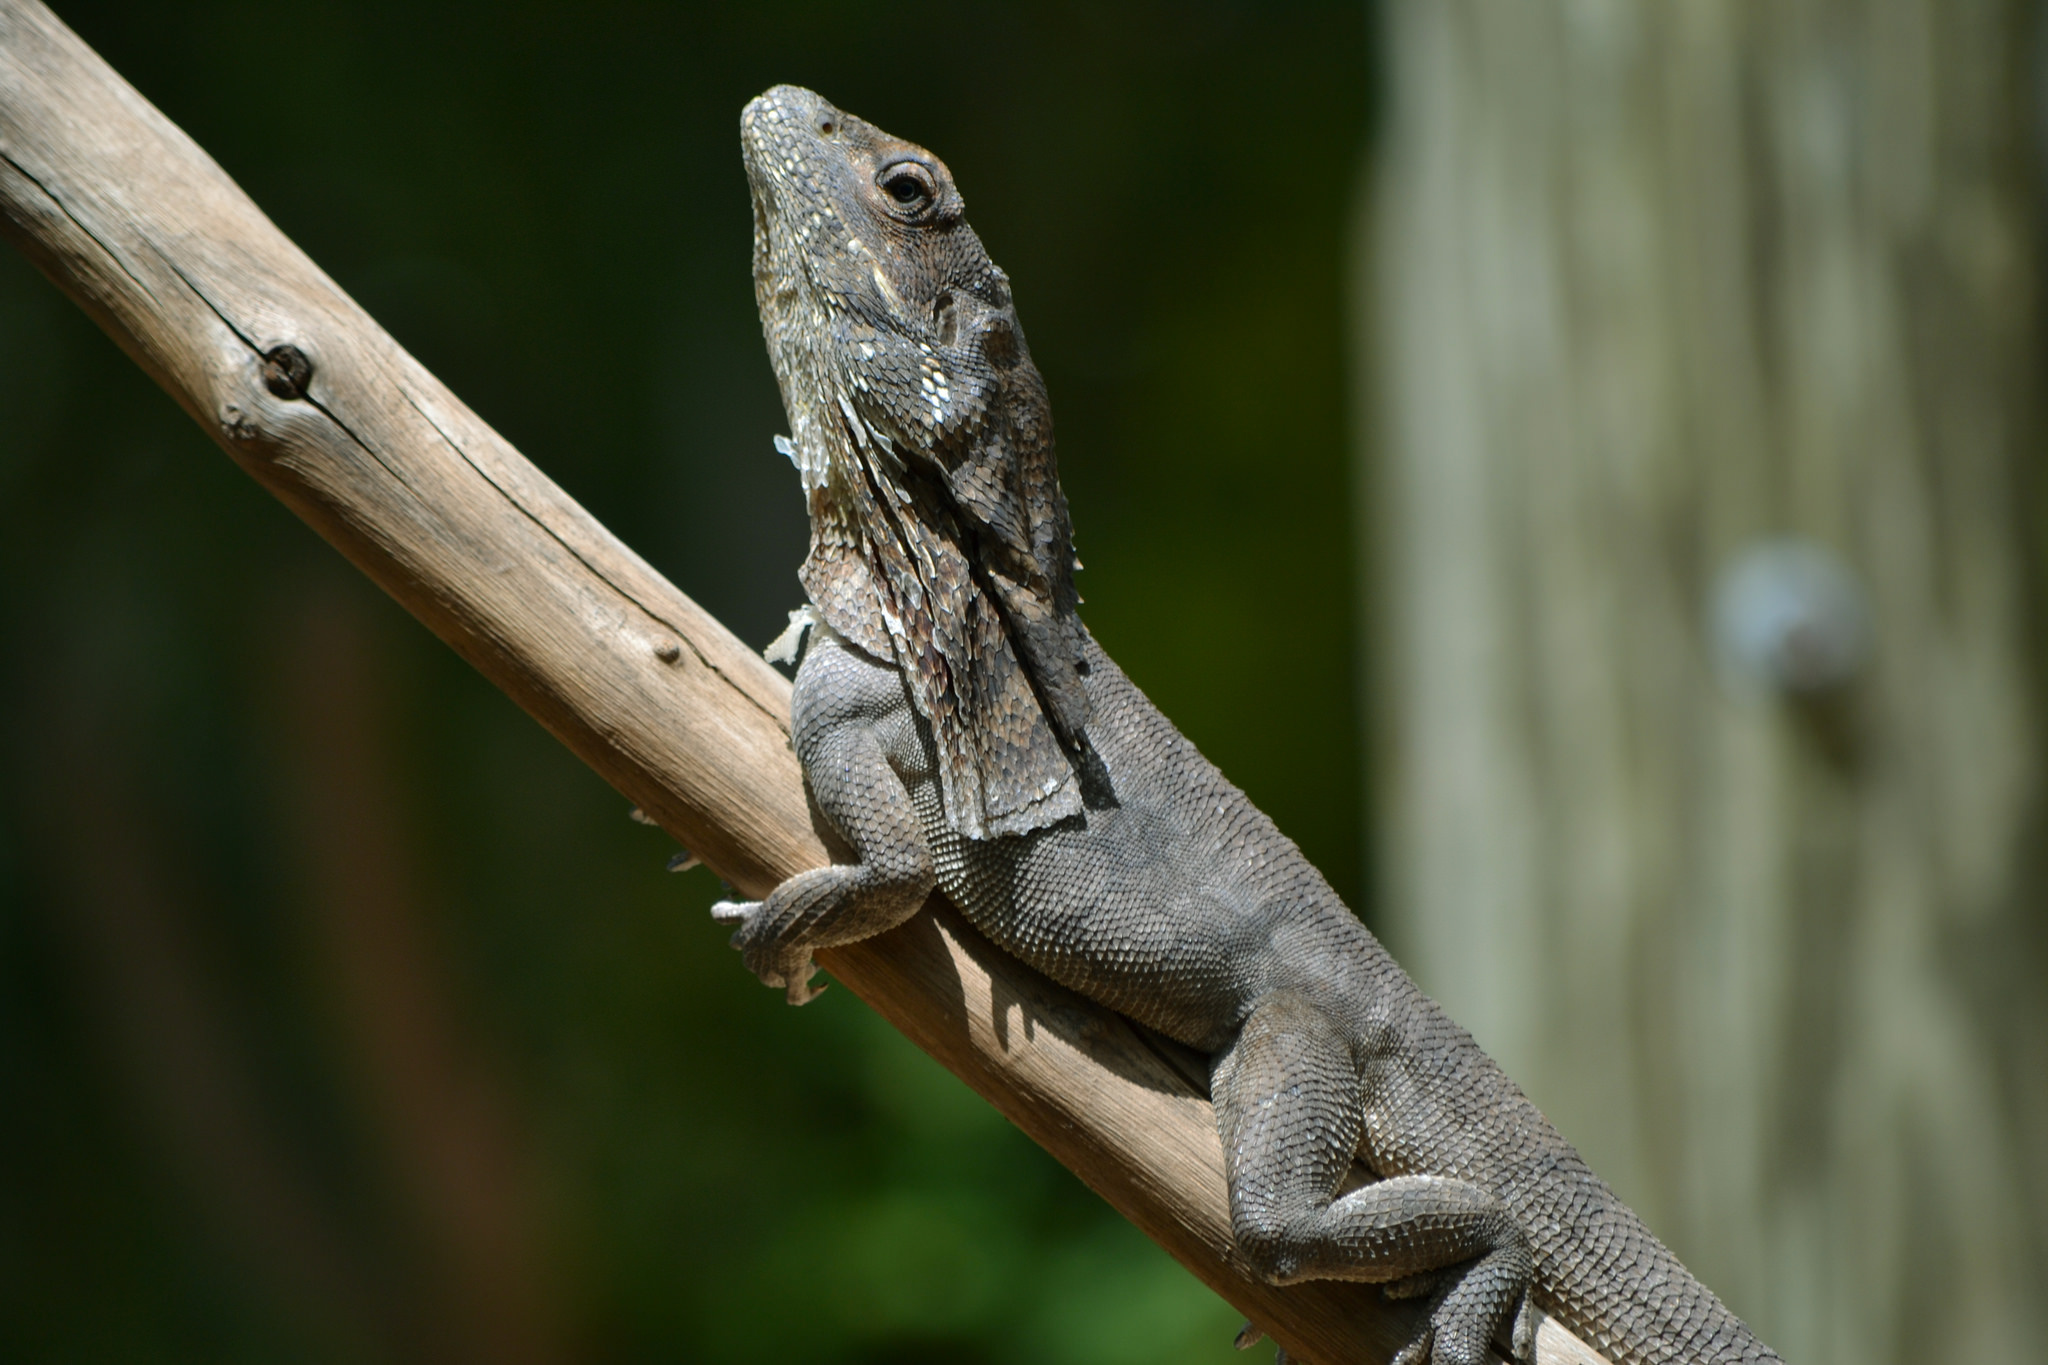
pixel 909 184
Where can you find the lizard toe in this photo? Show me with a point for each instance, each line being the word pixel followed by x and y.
pixel 1489 1299
pixel 788 968
pixel 733 912
pixel 1522 1344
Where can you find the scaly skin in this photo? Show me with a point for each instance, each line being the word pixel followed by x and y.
pixel 959 728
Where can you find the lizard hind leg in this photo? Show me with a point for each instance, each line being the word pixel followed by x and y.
pixel 1290 1105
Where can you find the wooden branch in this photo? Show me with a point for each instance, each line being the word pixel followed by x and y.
pixel 304 391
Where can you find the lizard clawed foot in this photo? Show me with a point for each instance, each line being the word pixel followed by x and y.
pixel 1457 1331
pixel 789 968
pixel 798 990
pixel 1431 1285
pixel 1251 1334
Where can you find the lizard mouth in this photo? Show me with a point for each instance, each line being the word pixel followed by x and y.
pixel 759 123
pixel 788 172
pixel 764 214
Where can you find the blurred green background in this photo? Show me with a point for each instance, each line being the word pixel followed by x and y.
pixel 343 1015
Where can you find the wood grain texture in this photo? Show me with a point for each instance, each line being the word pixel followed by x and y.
pixel 1655 287
pixel 133 220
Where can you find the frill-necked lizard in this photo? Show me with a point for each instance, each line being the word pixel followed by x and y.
pixel 958 727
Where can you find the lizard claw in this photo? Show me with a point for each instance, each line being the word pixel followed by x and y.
pixel 776 965
pixel 800 991
pixel 1249 1335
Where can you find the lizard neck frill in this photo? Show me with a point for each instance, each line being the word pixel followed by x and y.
pixel 939 535
pixel 891 567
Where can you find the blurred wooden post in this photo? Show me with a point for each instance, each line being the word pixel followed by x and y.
pixel 1657 287
pixel 315 401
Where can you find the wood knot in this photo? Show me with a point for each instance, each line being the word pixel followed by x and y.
pixel 287 371
pixel 667 650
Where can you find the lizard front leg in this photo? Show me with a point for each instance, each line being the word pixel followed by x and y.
pixel 1289 1100
pixel 846 714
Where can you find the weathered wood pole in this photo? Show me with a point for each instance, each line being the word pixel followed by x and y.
pixel 1705 344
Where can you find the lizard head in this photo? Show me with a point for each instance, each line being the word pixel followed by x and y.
pixel 924 436
pixel 864 264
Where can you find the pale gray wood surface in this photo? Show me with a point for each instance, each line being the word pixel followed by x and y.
pixel 150 237
pixel 1654 284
